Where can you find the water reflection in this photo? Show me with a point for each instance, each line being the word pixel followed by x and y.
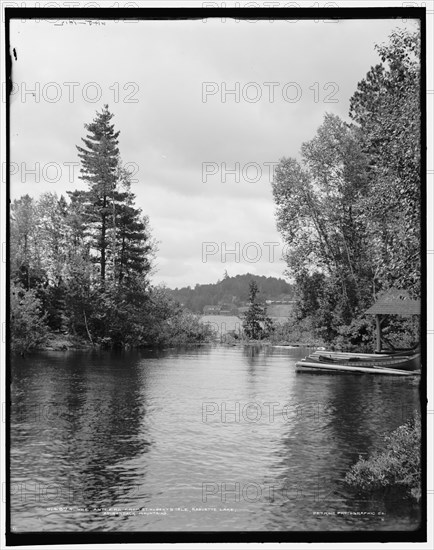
pixel 94 431
pixel 88 425
pixel 335 420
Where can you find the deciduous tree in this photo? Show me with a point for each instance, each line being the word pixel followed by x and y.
pixel 386 107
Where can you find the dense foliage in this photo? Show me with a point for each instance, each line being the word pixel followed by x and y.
pixel 27 323
pixel 231 290
pixel 349 210
pixel 386 108
pixel 82 266
pixel 396 467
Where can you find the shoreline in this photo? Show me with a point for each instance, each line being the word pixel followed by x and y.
pixel 65 342
pixel 68 342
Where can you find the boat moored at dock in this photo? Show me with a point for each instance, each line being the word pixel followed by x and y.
pixel 360 363
pixel 400 362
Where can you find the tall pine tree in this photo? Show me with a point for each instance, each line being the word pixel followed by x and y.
pixel 117 229
pixel 99 163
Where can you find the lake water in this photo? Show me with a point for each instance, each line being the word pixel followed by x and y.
pixel 208 439
pixel 225 323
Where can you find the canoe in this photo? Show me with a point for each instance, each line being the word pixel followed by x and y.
pixel 369 356
pixel 346 355
pixel 325 362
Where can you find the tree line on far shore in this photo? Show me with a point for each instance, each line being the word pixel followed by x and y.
pixel 232 291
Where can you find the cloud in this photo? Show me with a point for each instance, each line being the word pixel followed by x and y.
pixel 196 154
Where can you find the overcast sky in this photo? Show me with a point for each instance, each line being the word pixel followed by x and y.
pixel 165 82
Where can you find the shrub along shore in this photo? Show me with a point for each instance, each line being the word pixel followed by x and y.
pixel 394 469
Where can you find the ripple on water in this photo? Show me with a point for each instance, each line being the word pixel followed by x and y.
pixel 216 438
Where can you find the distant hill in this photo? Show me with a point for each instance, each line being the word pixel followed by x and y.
pixel 232 293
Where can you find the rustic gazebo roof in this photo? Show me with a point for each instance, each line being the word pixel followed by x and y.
pixel 395 302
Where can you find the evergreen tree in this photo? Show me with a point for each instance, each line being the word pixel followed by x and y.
pixel 132 248
pixel 84 265
pixel 99 167
pixel 116 228
pixel 256 324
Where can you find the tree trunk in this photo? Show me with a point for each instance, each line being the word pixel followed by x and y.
pixel 103 244
pixel 87 328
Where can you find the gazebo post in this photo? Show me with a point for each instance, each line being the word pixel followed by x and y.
pixel 378 325
pixel 391 302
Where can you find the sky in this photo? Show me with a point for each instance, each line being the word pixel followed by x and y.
pixel 205 110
